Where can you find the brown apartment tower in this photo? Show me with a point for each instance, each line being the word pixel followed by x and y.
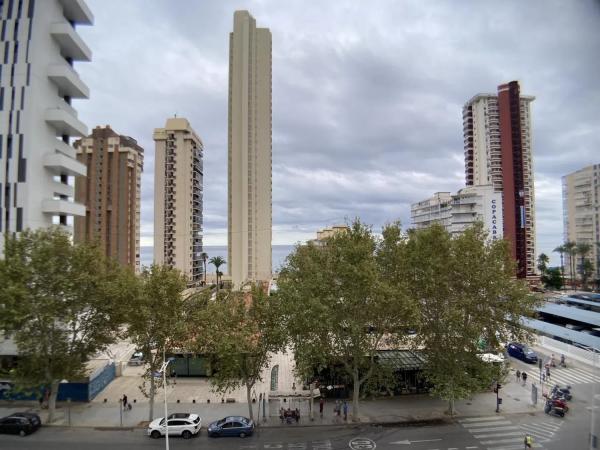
pixel 111 194
pixel 497 143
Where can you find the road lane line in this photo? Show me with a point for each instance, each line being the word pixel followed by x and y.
pixel 486 424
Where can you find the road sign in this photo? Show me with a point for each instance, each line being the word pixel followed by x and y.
pixel 361 443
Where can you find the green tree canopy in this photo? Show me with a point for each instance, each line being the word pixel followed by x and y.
pixel 157 322
pixel 466 291
pixel 345 300
pixel 62 303
pixel 241 331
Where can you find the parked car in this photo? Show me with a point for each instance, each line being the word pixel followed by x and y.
pixel 17 425
pixel 232 426
pixel 522 352
pixel 33 418
pixel 180 424
pixel 137 359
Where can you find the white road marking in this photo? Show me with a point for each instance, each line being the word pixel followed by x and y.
pixel 486 424
pixel 481 419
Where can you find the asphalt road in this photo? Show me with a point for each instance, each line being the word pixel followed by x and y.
pixel 570 433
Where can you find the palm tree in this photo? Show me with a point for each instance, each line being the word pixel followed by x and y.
pixel 570 249
pixel 583 249
pixel 204 257
pixel 543 261
pixel 561 250
pixel 217 261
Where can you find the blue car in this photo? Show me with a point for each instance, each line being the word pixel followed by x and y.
pixel 232 426
pixel 522 352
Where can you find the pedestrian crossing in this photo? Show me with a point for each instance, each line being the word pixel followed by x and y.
pixel 571 376
pixel 499 433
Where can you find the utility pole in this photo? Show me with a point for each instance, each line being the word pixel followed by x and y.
pixel 498 399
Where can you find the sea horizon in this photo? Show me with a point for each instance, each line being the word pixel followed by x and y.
pixel 279 254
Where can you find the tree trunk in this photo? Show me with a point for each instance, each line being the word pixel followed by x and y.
pixel 249 400
pixel 451 409
pixel 52 400
pixel 151 397
pixel 355 395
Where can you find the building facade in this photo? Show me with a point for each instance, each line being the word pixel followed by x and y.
pixel 178 188
pixel 111 193
pixel 37 83
pixel 460 211
pixel 249 165
pixel 498 151
pixel 581 213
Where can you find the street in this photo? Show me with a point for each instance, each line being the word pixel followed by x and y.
pixel 490 432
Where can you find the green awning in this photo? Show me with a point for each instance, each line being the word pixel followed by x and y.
pixel 401 359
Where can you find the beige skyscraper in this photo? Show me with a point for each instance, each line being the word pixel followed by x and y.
pixel 581 215
pixel 249 168
pixel 178 178
pixel 111 194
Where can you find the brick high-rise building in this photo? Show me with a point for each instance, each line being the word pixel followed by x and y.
pixel 178 184
pixel 40 44
pixel 498 151
pixel 111 194
pixel 249 168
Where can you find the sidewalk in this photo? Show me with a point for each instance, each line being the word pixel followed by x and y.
pixel 401 409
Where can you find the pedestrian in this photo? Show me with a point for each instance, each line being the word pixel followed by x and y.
pixel 528 441
pixel 562 360
pixel 543 376
pixel 297 415
pixel 124 401
pixel 321 406
pixel 524 377
pixel 336 408
pixel 345 410
pixel 282 414
pixel 518 375
pixel 548 373
pixel 174 376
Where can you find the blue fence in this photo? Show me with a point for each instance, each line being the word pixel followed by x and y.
pixel 77 392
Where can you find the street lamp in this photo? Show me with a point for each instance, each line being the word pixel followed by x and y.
pixel 163 369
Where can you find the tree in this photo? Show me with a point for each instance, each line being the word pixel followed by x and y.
pixel 240 331
pixel 561 250
pixel 62 303
pixel 467 293
pixel 571 250
pixel 157 321
pixel 217 261
pixel 553 278
pixel 543 261
pixel 583 249
pixel 204 257
pixel 587 270
pixel 344 301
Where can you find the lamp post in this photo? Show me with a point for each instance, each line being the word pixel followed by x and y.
pixel 163 369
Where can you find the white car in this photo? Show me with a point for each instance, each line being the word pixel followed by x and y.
pixel 180 424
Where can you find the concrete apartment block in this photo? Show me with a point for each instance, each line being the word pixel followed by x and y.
pixel 249 167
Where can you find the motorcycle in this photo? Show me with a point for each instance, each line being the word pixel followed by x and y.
pixel 552 410
pixel 562 392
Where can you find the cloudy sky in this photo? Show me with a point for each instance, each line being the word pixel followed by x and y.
pixel 367 97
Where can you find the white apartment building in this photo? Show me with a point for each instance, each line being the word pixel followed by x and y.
pixel 581 212
pixel 250 149
pixel 459 211
pixel 178 185
pixel 37 83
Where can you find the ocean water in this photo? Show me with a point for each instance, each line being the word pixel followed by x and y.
pixel 280 252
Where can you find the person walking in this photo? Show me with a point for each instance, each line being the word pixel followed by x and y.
pixel 524 377
pixel 528 441
pixel 124 402
pixel 548 373
pixel 321 406
pixel 345 410
pixel 518 374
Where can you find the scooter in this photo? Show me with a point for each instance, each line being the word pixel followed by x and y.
pixel 552 410
pixel 560 403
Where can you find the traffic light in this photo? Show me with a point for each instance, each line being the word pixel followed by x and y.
pixel 495 390
pixel 498 386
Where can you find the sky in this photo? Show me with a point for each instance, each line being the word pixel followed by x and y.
pixel 367 97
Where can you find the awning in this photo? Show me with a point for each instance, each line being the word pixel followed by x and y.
pixel 401 359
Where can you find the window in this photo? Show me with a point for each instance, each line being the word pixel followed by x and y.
pixel 275 378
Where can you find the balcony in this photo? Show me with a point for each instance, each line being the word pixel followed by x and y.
pixel 77 11
pixel 71 44
pixel 68 82
pixel 60 164
pixel 65 149
pixel 62 208
pixel 63 189
pixel 65 123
